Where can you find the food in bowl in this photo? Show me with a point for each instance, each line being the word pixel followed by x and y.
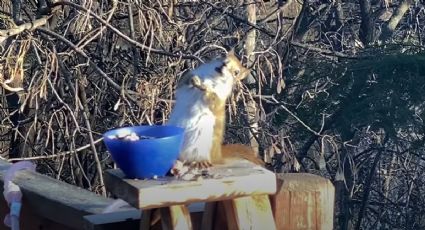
pixel 144 152
pixel 131 136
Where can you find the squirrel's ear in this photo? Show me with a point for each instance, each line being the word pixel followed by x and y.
pixel 230 54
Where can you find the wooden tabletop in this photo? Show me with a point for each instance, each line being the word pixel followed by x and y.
pixel 224 182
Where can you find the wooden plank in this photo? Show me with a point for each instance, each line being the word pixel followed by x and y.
pixel 29 219
pixel 131 220
pixel 303 201
pixel 231 218
pixel 114 220
pixel 3 211
pixel 252 212
pixel 220 219
pixel 208 216
pixel 145 220
pixel 196 218
pixel 230 181
pixel 175 217
pixel 56 200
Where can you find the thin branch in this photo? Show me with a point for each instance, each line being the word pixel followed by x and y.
pixel 132 34
pixel 368 185
pixel 4 34
pixel 82 53
pixel 389 27
pixel 296 117
pixel 85 108
pixel 55 155
pixel 125 37
pixel 324 51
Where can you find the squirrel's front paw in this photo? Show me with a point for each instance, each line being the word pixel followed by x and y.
pixel 205 164
pixel 196 82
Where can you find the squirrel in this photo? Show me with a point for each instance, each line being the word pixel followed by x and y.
pixel 200 105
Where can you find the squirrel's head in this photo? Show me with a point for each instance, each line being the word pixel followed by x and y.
pixel 235 67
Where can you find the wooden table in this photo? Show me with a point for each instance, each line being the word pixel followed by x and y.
pixel 242 188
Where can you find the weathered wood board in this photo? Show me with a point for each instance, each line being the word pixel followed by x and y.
pixel 56 200
pixel 115 220
pixel 303 201
pixel 176 217
pixel 251 212
pixel 230 181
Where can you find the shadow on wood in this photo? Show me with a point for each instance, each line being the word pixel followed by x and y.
pixel 52 204
pixel 29 220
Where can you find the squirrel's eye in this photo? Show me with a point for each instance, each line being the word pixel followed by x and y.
pixel 237 72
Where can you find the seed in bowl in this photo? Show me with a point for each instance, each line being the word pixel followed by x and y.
pixel 132 136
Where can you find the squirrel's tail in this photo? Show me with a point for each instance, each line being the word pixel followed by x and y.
pixel 238 151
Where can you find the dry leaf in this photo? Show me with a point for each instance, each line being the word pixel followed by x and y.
pixel 117 105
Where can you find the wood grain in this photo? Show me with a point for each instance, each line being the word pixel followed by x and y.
pixel 208 215
pixel 253 212
pixel 234 180
pixel 176 217
pixel 56 200
pixel 303 201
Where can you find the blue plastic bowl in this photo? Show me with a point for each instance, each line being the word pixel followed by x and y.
pixel 145 158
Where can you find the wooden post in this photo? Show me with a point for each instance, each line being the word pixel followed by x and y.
pixel 303 201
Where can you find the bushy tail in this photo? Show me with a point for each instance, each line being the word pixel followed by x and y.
pixel 238 151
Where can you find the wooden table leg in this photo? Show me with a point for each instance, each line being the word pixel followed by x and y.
pixel 175 217
pixel 145 220
pixel 208 216
pixel 252 212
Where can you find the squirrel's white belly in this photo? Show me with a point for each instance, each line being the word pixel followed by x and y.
pixel 192 113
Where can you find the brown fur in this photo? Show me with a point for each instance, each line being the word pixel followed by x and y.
pixel 219 152
pixel 239 151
